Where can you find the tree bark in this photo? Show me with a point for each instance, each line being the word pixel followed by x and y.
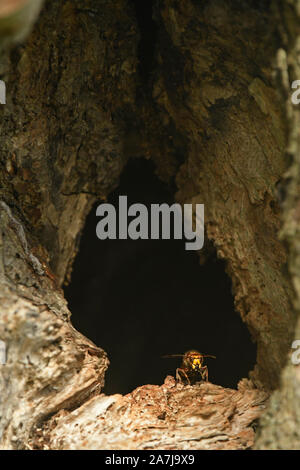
pixel 172 416
pixel 280 428
pixel 210 116
pixel 61 146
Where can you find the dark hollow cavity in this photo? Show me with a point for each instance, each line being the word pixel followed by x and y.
pixel 142 299
pixel 148 36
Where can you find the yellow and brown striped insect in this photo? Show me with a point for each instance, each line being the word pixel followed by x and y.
pixel 192 369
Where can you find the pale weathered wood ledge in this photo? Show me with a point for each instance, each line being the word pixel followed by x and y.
pixel 170 416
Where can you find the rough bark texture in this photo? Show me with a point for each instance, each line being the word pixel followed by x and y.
pixel 171 416
pixel 61 144
pixel 281 425
pixel 211 119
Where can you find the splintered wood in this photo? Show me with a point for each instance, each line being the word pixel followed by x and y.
pixel 171 416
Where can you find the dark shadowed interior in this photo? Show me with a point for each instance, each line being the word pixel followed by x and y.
pixel 142 299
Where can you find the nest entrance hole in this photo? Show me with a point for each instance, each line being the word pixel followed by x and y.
pixel 141 299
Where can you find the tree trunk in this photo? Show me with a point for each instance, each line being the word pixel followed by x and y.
pixel 84 94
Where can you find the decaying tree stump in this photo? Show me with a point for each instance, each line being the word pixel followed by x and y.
pixel 215 115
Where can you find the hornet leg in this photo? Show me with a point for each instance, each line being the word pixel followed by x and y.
pixel 179 377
